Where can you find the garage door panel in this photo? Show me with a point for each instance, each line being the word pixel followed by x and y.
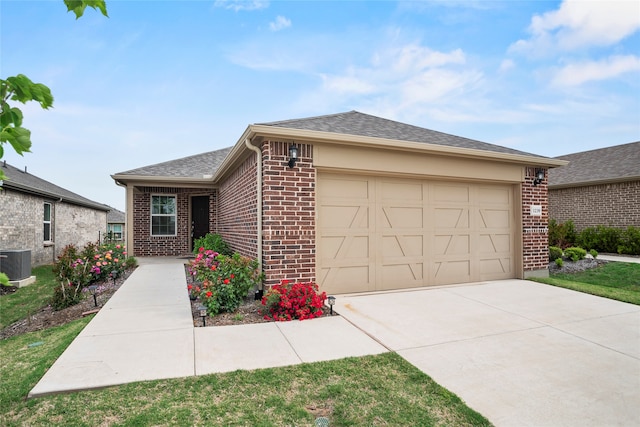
pixel 496 268
pixel 341 216
pixel 346 279
pixel 401 190
pixel 346 188
pixel 451 218
pixel 494 195
pixel 402 246
pixel 350 247
pixel 495 218
pixel 494 243
pixel 401 217
pixel 403 275
pixel 447 272
pixel 450 193
pixel 452 245
pixel 410 232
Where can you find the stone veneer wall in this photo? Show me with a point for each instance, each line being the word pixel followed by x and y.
pixel 535 232
pixel 21 225
pixel 615 205
pixel 144 244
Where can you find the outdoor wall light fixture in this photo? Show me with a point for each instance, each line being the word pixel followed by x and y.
pixel 203 313
pixel 331 300
pixel 539 177
pixel 94 290
pixel 293 155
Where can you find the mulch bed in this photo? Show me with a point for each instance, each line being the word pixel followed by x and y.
pixel 250 311
pixel 46 317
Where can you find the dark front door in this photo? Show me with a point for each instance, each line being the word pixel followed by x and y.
pixel 199 216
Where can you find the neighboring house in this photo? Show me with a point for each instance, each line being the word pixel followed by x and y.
pixel 370 204
pixel 597 187
pixel 116 224
pixel 44 218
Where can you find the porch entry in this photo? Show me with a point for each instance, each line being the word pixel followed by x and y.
pixel 199 217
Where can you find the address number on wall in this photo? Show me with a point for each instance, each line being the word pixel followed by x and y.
pixel 536 210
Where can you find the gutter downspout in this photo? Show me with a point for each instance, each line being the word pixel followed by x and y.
pixel 258 152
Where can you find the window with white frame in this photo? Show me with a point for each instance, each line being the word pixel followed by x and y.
pixel 163 215
pixel 47 222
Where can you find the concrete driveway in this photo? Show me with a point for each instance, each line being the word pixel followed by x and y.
pixel 519 352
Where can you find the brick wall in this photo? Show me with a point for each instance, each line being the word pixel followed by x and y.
pixel 616 205
pixel 535 236
pixel 289 214
pixel 237 209
pixel 144 244
pixel 21 225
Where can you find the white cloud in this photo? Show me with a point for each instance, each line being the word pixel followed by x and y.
pixel 238 5
pixel 578 73
pixel 280 23
pixel 506 65
pixel 581 23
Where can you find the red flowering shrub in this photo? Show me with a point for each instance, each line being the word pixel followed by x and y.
pixel 298 301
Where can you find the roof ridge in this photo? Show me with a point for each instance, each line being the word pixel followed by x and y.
pixel 322 116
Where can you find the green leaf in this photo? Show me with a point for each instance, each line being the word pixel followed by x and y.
pixel 18 137
pixel 10 116
pixel 78 6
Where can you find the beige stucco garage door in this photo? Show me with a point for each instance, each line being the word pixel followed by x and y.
pixel 377 233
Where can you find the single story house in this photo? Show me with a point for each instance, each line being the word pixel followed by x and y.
pixel 116 224
pixel 42 217
pixel 352 202
pixel 597 187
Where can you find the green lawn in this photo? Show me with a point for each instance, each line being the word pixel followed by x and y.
pixel 374 390
pixel 29 299
pixel 615 280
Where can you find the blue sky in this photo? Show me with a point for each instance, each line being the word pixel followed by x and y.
pixel 159 80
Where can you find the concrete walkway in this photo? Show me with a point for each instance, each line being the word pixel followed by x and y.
pixel 619 258
pixel 146 332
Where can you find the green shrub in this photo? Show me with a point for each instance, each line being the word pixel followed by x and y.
pixel 610 239
pixel 594 253
pixel 575 253
pixel 4 279
pixel 562 235
pixel 229 282
pixel 559 262
pixel 212 242
pixel 554 253
pixel 629 241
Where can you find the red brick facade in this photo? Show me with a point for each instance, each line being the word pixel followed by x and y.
pixel 237 209
pixel 288 214
pixel 616 205
pixel 144 244
pixel 535 234
pixel 289 211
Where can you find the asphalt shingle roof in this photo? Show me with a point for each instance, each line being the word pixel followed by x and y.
pixel 196 166
pixel 116 216
pixel 604 164
pixel 356 123
pixel 20 180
